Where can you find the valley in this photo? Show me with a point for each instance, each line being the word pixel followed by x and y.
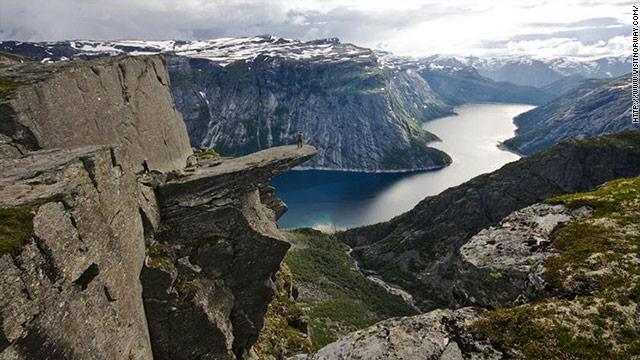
pixel 440 207
pixel 335 200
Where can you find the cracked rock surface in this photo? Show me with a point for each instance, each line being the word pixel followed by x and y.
pixel 101 258
pixel 72 289
pixel 215 258
pixel 503 264
pixel 439 334
pixel 122 100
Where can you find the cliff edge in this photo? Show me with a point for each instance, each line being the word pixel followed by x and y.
pixel 112 248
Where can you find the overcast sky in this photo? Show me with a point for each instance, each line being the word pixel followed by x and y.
pixel 581 28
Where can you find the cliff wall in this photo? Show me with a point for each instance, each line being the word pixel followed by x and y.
pixel 102 258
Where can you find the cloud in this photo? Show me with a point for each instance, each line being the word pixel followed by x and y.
pixel 417 27
pixel 595 22
pixel 557 47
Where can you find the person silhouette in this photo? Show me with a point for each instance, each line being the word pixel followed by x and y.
pixel 299 139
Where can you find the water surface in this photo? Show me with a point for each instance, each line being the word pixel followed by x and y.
pixel 331 200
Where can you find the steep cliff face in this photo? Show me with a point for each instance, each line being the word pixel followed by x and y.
pixel 246 94
pixel 419 250
pixel 112 101
pixel 213 261
pixel 592 108
pixel 359 115
pixel 72 252
pixel 102 258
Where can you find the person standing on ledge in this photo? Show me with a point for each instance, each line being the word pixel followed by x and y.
pixel 299 139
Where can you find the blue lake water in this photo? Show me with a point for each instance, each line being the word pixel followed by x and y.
pixel 333 200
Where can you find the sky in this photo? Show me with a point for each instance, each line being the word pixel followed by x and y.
pixel 539 28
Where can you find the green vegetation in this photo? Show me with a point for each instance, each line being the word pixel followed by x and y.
pixel 206 154
pixel 16 226
pixel 7 87
pixel 337 298
pixel 9 58
pixel 596 279
pixel 160 256
pixel 285 324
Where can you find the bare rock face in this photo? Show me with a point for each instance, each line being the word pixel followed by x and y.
pixel 69 287
pixel 503 264
pixel 123 100
pixel 209 272
pixel 102 246
pixel 439 334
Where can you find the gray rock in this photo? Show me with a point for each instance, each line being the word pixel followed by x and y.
pixel 439 334
pixel 123 100
pixel 503 264
pixel 106 217
pixel 208 277
pixel 72 289
pixel 358 115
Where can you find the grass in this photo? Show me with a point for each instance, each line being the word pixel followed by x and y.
pixel 206 154
pixel 13 58
pixel 337 298
pixel 16 226
pixel 594 282
pixel 284 331
pixel 7 87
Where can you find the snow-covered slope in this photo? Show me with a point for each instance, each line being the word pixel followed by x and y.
pixel 222 51
pixel 523 70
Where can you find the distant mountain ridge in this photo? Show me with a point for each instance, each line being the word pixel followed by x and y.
pixel 593 107
pixel 362 109
pixel 528 71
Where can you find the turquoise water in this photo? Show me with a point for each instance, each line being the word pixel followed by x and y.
pixel 333 200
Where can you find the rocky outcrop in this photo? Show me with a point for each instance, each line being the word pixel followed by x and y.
pixel 125 100
pixel 419 250
pixel 503 264
pixel 69 284
pixel 119 251
pixel 592 108
pixel 439 334
pixel 286 326
pixel 208 275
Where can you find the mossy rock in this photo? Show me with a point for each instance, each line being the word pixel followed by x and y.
pixel 16 226
pixel 7 87
pixel 595 281
pixel 206 154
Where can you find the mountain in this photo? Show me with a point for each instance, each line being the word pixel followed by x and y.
pixel 420 249
pixel 360 109
pixel 116 240
pixel 528 71
pixel 575 253
pixel 564 85
pixel 591 108
pixel 468 86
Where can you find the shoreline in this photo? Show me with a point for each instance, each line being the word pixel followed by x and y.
pixel 501 145
pixel 399 171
